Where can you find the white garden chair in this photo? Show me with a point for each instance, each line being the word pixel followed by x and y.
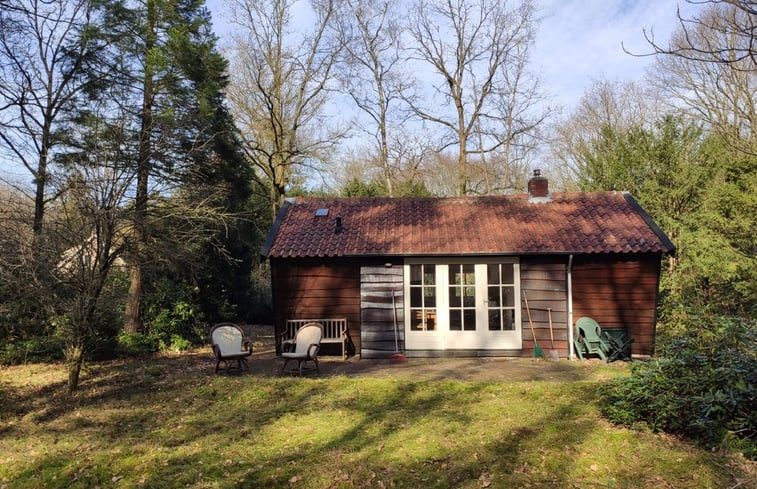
pixel 306 346
pixel 226 340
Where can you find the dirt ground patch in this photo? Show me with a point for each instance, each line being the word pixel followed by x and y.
pixel 264 362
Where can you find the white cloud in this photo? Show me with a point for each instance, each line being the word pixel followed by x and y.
pixel 580 40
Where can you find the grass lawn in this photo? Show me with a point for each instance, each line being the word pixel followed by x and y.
pixel 169 422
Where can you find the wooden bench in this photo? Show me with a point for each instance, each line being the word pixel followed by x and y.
pixel 334 331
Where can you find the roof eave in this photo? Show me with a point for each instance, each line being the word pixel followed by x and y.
pixel 670 248
pixel 265 252
pixel 476 254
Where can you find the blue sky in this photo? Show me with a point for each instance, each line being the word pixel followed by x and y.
pixel 581 40
pixel 577 41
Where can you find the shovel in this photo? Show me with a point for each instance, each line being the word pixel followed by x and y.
pixel 553 354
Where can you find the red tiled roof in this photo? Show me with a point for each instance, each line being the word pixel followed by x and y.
pixel 601 222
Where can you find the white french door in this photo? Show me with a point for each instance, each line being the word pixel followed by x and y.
pixel 462 304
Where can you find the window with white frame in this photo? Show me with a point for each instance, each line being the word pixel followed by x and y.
pixel 423 297
pixel 462 297
pixel 500 278
pixel 462 303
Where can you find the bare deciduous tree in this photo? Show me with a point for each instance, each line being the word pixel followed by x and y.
pixel 278 89
pixel 719 84
pixel 478 51
pixel 438 181
pixel 64 281
pixel 91 224
pixel 370 33
pixel 411 159
pixel 44 49
pixel 606 104
pixel 732 21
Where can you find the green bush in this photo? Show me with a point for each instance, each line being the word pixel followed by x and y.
pixel 172 308
pixel 179 344
pixel 136 344
pixel 169 328
pixel 702 386
pixel 140 344
pixel 31 350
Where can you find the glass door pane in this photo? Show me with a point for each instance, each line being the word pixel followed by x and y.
pixel 422 297
pixel 501 296
pixel 462 297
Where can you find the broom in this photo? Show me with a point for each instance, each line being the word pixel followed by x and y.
pixel 538 353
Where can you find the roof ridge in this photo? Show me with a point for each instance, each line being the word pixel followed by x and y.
pixel 468 198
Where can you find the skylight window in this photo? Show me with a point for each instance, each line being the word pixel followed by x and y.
pixel 321 212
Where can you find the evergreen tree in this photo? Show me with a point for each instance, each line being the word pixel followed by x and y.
pixel 174 79
pixel 697 188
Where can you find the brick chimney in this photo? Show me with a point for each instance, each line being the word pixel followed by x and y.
pixel 538 188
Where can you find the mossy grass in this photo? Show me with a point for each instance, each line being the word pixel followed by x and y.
pixel 155 424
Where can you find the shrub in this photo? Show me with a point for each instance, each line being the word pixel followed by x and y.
pixel 179 344
pixel 33 349
pixel 702 387
pixel 136 344
pixel 168 330
pixel 172 308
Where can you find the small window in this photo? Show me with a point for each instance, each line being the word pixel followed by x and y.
pixel 422 298
pixel 321 212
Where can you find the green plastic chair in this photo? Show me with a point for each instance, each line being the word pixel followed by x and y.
pixel 620 344
pixel 589 339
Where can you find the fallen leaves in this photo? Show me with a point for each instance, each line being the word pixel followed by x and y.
pixel 485 479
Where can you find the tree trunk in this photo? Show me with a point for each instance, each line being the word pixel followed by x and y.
pixel 74 360
pixel 133 317
pixel 462 136
pixel 41 177
pixel 39 197
pixel 382 129
pixel 462 164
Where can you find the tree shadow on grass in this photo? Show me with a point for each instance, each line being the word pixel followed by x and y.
pixel 481 458
pixel 288 433
pixel 143 426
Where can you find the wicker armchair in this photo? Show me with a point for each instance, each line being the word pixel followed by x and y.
pixel 306 346
pixel 226 340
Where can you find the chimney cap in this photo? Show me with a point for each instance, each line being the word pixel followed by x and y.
pixel 537 172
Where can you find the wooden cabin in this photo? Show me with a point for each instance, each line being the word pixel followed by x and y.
pixel 459 276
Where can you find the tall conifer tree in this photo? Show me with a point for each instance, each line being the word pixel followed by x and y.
pixel 173 78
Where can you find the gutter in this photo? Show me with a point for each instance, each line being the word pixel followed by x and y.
pixel 571 353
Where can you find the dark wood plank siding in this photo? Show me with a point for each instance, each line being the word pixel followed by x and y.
pixel 619 292
pixel 317 288
pixel 543 281
pixel 378 284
